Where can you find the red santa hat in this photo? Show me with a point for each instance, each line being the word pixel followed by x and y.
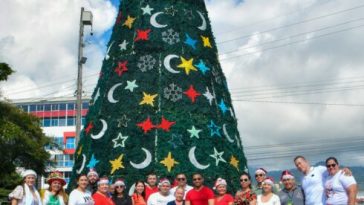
pixel 164 181
pixel 269 180
pixel 261 171
pixel 286 175
pixel 219 181
pixel 92 171
pixel 119 182
pixel 103 180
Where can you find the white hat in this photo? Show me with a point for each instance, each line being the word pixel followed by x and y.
pixel 29 172
pixel 103 180
pixel 92 171
pixel 164 181
pixel 119 182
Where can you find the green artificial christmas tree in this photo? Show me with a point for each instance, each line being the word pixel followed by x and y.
pixel 161 103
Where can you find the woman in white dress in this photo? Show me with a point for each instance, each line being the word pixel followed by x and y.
pixel 26 194
pixel 268 197
pixel 80 195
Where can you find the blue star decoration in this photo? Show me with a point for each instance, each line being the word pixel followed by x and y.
pixel 93 161
pixel 223 107
pixel 202 67
pixel 176 141
pixel 214 129
pixel 190 41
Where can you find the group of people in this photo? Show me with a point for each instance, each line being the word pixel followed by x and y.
pixel 320 185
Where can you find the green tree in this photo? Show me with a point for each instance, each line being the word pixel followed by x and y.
pixel 162 103
pixel 21 140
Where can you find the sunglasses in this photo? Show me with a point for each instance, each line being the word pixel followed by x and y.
pixel 331 165
pixel 181 179
pixel 197 179
pixel 259 175
pixel 244 180
pixel 119 186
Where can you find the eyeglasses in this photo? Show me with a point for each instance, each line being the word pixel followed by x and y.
pixel 244 180
pixel 259 175
pixel 181 179
pixel 197 179
pixel 331 165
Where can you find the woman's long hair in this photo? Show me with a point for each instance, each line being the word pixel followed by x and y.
pixel 136 184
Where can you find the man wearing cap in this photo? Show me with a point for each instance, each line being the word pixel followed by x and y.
pixel 200 194
pixel 181 182
pixel 291 193
pixel 92 177
pixel 163 196
pixel 151 186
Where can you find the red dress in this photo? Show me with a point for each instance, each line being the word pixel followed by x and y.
pixel 225 200
pixel 102 199
pixel 200 197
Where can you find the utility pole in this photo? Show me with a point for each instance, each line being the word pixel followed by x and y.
pixel 85 19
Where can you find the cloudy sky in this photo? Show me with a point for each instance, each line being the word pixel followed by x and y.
pixel 294 67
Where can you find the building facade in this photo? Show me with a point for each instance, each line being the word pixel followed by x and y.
pixel 58 121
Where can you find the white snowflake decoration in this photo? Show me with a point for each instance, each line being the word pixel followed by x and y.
pixel 146 63
pixel 173 92
pixel 170 36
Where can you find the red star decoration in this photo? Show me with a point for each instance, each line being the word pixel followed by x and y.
pixel 146 125
pixel 165 124
pixel 192 93
pixel 89 127
pixel 121 68
pixel 142 35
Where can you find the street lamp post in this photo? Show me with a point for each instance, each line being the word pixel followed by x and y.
pixel 85 19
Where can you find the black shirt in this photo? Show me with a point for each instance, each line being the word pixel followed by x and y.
pixel 125 200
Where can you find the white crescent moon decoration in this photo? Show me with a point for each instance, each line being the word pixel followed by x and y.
pixel 107 52
pixel 167 63
pixel 193 160
pixel 102 132
pixel 227 134
pixel 153 21
pixel 145 163
pixel 82 165
pixel 110 94
pixel 237 141
pixel 97 95
pixel 204 24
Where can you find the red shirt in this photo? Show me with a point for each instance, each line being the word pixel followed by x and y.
pixel 149 191
pixel 101 199
pixel 225 200
pixel 200 197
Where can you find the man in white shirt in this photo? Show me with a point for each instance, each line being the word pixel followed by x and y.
pixel 182 182
pixel 163 196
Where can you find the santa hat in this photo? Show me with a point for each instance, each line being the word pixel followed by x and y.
pixel 28 172
pixel 119 182
pixel 56 176
pixel 286 175
pixel 91 172
pixel 164 181
pixel 219 182
pixel 103 180
pixel 261 171
pixel 269 180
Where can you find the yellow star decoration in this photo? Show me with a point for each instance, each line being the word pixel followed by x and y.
pixel 79 150
pixel 129 22
pixel 234 162
pixel 206 41
pixel 169 162
pixel 187 65
pixel 116 163
pixel 148 99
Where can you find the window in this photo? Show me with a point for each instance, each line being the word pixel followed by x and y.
pixel 67 176
pixel 32 108
pixel 70 143
pixel 71 106
pixel 70 121
pixel 55 107
pixel 59 142
pixel 68 162
pixel 59 160
pixel 62 121
pixel 54 122
pixel 46 122
pixel 47 107
pixel 62 106
pixel 24 108
pixel 85 105
pixel 40 108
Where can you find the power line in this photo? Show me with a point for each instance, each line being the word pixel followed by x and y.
pixel 294 42
pixel 296 23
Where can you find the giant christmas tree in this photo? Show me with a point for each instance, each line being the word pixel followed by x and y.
pixel 161 103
